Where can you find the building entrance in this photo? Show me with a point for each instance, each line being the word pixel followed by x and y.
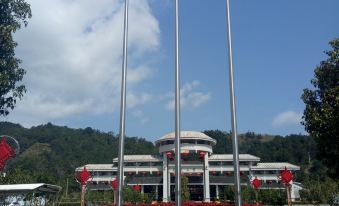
pixel 196 192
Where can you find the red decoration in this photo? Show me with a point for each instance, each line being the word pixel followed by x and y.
pixel 185 153
pixel 269 182
pixel 201 155
pixel 286 176
pixel 83 176
pixel 130 173
pixel 6 152
pixel 242 173
pixel 214 173
pixel 114 184
pixel 136 188
pixel 169 155
pixel 190 174
pixel 158 173
pixel 256 183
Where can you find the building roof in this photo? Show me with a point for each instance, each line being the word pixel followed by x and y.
pixel 140 158
pixel 187 135
pixel 96 167
pixel 242 157
pixel 275 165
pixel 41 187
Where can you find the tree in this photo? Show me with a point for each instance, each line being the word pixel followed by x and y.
pixel 185 190
pixel 321 115
pixel 13 13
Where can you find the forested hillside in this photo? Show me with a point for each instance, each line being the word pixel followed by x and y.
pixel 50 153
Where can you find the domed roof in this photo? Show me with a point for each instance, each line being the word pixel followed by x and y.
pixel 187 135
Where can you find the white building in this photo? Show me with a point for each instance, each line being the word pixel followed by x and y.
pixel 207 173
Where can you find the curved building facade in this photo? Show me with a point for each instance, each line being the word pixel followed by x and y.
pixel 207 173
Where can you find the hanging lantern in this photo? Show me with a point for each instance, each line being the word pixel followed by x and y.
pixel 201 155
pixel 130 173
pixel 199 174
pixel 286 176
pixel 83 176
pixel 228 173
pixel 169 155
pixel 136 188
pixel 190 174
pixel 269 182
pixel 172 174
pixel 242 173
pixel 114 184
pixel 256 183
pixel 144 173
pixel 158 173
pixel 214 173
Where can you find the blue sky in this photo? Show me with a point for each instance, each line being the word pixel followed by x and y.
pixel 72 55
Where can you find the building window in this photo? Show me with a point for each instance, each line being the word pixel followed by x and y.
pixel 243 163
pixel 214 163
pixel 202 142
pixel 130 164
pixel 272 172
pixel 227 163
pixel 258 172
pixel 156 163
pixel 143 164
pixel 167 142
pixel 187 141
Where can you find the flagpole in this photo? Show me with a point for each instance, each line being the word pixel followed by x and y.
pixel 122 111
pixel 233 111
pixel 177 111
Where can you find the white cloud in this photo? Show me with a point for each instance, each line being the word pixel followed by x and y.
pixel 287 118
pixel 72 53
pixel 188 97
pixel 141 116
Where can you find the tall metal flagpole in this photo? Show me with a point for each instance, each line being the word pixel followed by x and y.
pixel 122 111
pixel 233 112
pixel 177 112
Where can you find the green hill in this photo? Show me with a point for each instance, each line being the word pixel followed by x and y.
pixel 50 153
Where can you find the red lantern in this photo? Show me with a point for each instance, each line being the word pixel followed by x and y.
pixel 144 173
pixel 130 173
pixel 214 173
pixel 242 173
pixel 269 182
pixel 158 173
pixel 201 155
pixel 83 176
pixel 136 188
pixel 190 174
pixel 286 176
pixel 114 184
pixel 169 155
pixel 172 174
pixel 256 183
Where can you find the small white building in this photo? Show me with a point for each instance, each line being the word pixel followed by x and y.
pixel 207 173
pixel 39 194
